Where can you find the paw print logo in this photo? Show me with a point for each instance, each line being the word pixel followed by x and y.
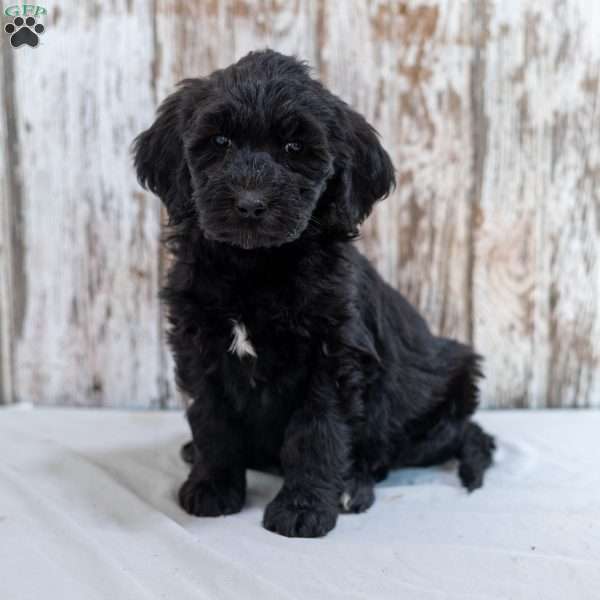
pixel 24 31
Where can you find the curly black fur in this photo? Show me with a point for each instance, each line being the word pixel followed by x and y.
pixel 266 176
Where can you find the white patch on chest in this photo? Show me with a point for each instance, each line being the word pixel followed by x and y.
pixel 241 344
pixel 345 500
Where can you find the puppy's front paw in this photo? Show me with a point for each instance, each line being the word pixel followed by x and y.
pixel 294 515
pixel 212 498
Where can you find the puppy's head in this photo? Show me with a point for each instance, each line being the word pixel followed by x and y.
pixel 258 153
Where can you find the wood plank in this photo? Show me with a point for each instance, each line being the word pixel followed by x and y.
pixel 537 276
pixel 187 37
pixel 6 319
pixel 195 38
pixel 8 203
pixel 91 334
pixel 406 66
pixel 573 218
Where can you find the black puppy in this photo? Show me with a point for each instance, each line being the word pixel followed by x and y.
pixel 294 351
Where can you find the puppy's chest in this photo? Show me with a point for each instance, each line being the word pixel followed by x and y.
pixel 260 335
pixel 263 326
pixel 264 374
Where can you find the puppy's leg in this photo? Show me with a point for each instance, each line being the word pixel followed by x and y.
pixel 462 440
pixel 217 482
pixel 314 459
pixel 456 434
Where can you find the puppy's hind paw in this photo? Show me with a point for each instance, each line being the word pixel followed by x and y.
pixel 470 476
pixel 212 498
pixel 358 496
pixel 188 452
pixel 475 456
pixel 294 517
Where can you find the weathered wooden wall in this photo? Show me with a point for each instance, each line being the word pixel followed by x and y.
pixel 491 111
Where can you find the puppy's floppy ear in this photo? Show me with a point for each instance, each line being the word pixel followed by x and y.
pixel 364 172
pixel 159 155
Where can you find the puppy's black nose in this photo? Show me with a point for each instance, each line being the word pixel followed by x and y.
pixel 249 205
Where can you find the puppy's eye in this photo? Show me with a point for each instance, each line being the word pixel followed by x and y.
pixel 221 141
pixel 293 147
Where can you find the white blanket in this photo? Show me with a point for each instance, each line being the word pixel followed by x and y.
pixel 88 511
